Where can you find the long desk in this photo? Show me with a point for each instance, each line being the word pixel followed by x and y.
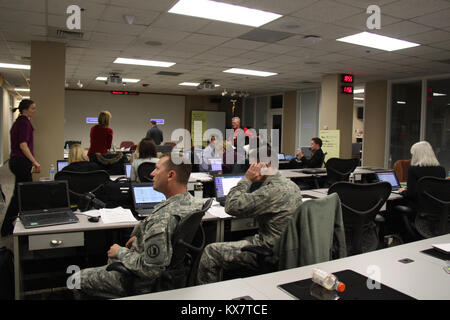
pixel 424 278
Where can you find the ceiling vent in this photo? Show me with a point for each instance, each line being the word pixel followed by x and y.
pixel 168 73
pixel 61 33
pixel 113 80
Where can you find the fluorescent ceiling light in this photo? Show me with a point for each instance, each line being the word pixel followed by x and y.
pixel 224 12
pixel 358 91
pixel 189 84
pixel 101 78
pixel 401 102
pixel 356 98
pixel 127 80
pixel 15 66
pixel 436 94
pixel 377 41
pixel 25 97
pixel 141 62
pixel 21 89
pixel 250 72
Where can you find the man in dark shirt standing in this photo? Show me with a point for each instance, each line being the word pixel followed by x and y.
pixel 155 133
pixel 316 161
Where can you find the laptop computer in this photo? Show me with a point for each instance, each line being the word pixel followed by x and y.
pixel 60 164
pixel 127 169
pixel 391 177
pixel 281 156
pixel 223 185
pixel 215 165
pixel 145 198
pixel 44 203
pixel 307 153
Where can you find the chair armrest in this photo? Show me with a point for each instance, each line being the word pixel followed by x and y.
pixel 119 267
pixel 258 250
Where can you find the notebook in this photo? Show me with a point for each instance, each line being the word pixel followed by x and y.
pixel 223 184
pixel 391 177
pixel 60 164
pixel 44 203
pixel 145 198
pixel 127 169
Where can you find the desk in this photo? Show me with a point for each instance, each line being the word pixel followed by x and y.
pixel 422 279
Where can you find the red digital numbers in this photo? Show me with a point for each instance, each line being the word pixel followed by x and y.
pixel 347 89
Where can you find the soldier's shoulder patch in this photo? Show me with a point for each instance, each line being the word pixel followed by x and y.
pixel 153 251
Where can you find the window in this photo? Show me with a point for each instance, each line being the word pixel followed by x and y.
pixel 276 102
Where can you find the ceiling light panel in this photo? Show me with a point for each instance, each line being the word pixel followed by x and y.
pixel 224 12
pixel 377 41
pixel 141 62
pixel 250 72
pixel 15 66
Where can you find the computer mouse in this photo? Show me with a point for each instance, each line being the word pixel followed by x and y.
pixel 93 219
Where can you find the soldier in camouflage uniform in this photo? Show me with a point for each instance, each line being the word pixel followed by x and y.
pixel 149 250
pixel 272 205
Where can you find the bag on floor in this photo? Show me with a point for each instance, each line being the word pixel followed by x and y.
pixel 6 274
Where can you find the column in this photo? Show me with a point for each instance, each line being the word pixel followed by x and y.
pixel 375 112
pixel 336 112
pixel 289 122
pixel 47 91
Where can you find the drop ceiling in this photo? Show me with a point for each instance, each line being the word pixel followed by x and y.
pixel 203 48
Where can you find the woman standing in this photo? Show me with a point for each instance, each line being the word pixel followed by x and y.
pixel 101 134
pixel 21 162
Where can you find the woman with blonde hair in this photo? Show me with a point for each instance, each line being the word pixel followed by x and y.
pixel 101 134
pixel 423 163
pixel 79 161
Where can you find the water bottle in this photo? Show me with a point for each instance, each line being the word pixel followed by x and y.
pixel 52 172
pixel 320 293
pixel 327 280
pixel 198 190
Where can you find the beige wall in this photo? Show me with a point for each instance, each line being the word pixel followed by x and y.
pixel 289 122
pixel 5 118
pixel 130 114
pixel 358 124
pixel 375 123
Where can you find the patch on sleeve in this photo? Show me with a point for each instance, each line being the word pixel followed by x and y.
pixel 153 251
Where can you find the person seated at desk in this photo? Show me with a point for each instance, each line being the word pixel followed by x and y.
pixel 423 163
pixel 146 152
pixel 78 161
pixel 149 250
pixel 233 159
pixel 272 205
pixel 316 161
pixel 212 151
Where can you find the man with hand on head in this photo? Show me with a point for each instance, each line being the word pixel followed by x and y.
pixel 316 161
pixel 149 250
pixel 272 204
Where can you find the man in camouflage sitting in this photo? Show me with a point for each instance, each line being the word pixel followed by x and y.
pixel 149 250
pixel 272 204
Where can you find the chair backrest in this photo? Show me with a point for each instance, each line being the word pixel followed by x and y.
pixel 314 234
pixel 360 204
pixel 126 144
pixel 83 182
pixel 401 169
pixel 433 210
pixel 188 241
pixel 340 169
pixel 110 162
pixel 144 170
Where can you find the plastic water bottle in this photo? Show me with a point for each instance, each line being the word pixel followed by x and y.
pixel 327 280
pixel 52 172
pixel 198 190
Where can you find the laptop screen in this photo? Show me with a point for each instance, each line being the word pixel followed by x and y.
pixel 43 196
pixel 216 164
pixel 61 164
pixel 281 156
pixel 388 176
pixel 128 169
pixel 225 183
pixel 145 196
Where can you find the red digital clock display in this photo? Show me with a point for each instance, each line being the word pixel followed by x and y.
pixel 347 89
pixel 347 78
pixel 125 93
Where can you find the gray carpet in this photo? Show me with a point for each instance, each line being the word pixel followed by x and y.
pixel 7 183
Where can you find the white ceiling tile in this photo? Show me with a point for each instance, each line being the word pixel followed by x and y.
pixel 141 17
pixel 162 35
pixel 429 37
pixel 327 11
pixel 18 16
pixel 441 45
pixel 440 19
pixel 173 21
pixel 92 10
pixel 224 29
pixel 156 5
pixel 416 51
pixel 205 39
pixel 243 44
pixel 279 6
pixel 407 9
pixel 119 28
pixel 442 55
pixel 365 3
pixel 290 24
pixel 330 31
pixel 400 29
pixel 359 21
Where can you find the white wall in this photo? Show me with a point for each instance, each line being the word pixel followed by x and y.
pixel 6 119
pixel 130 114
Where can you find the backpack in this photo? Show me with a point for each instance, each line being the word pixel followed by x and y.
pixel 6 274
pixel 117 194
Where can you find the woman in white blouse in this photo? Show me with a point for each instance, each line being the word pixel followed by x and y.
pixel 147 153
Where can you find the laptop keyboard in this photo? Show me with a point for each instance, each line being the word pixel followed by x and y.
pixel 50 218
pixel 144 212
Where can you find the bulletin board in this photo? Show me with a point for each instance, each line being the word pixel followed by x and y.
pixel 330 143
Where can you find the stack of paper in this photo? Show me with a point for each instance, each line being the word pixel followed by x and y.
pixel 199 176
pixel 116 215
pixel 217 210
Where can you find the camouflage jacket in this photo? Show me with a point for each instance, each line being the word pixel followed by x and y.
pixel 272 205
pixel 151 251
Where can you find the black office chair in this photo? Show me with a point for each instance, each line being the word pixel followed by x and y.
pixel 360 205
pixel 314 234
pixel 81 183
pixel 113 163
pixel 144 170
pixel 188 241
pixel 339 169
pixel 431 216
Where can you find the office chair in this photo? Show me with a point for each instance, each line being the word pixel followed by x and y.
pixel 110 162
pixel 314 234
pixel 144 170
pixel 188 241
pixel 401 169
pixel 126 144
pixel 339 169
pixel 83 182
pixel 360 205
pixel 431 217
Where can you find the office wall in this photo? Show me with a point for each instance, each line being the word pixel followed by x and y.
pixel 130 114
pixel 5 123
pixel 198 103
pixel 289 121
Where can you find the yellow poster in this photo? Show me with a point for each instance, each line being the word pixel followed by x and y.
pixel 198 128
pixel 330 143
